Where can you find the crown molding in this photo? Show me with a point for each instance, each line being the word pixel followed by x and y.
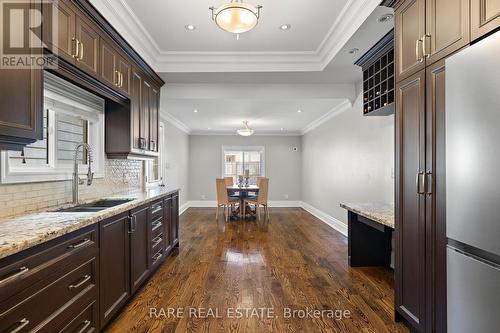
pixel 164 115
pixel 233 133
pixel 338 109
pixel 120 15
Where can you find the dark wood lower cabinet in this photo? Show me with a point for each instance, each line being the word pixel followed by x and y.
pixel 139 246
pixel 115 265
pixel 174 222
pixel 84 278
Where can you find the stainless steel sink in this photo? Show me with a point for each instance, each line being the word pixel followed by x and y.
pixel 95 206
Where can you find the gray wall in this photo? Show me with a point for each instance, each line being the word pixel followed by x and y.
pixel 282 165
pixel 177 160
pixel 349 158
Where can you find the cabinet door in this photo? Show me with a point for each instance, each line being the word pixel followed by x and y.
pixel 174 223
pixel 109 73
pixel 125 69
pixel 114 265
pixel 88 38
pixel 410 205
pixel 167 221
pixel 447 27
pixel 135 110
pixel 140 239
pixel 64 43
pixel 154 119
pixel 409 33
pixel 145 115
pixel 485 17
pixel 435 197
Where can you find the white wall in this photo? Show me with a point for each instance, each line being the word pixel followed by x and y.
pixel 177 160
pixel 282 165
pixel 349 158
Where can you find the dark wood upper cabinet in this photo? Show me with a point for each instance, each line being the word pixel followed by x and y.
pixel 87 36
pixel 124 69
pixel 485 17
pixel 64 44
pixel 135 109
pixel 154 114
pixel 435 194
pixel 114 265
pixel 140 238
pixel 447 28
pixel 145 116
pixel 410 200
pixel 409 33
pixel 109 57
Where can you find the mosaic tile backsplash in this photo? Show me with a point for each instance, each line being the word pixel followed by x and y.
pixel 120 175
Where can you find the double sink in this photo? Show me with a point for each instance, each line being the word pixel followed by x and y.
pixel 95 206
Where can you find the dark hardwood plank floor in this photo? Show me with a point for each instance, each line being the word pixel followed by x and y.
pixel 294 261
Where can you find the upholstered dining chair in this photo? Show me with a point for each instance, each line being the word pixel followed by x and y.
pixel 260 200
pixel 223 200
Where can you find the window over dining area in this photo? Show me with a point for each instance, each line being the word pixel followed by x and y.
pixel 238 159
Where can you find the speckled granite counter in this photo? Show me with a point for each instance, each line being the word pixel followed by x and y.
pixel 23 232
pixel 381 213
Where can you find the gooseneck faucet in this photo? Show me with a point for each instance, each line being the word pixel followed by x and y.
pixel 90 175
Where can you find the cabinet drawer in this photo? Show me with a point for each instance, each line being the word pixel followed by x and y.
pixel 156 210
pixel 157 258
pixel 84 321
pixel 156 227
pixel 27 314
pixel 29 270
pixel 157 243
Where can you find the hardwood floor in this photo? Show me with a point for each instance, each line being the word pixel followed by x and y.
pixel 293 262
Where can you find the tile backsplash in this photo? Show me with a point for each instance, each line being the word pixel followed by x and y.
pixel 120 176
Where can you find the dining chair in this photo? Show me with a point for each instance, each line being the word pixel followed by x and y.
pixel 254 194
pixel 229 181
pixel 260 199
pixel 223 200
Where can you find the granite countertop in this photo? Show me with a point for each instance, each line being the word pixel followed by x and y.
pixel 20 233
pixel 378 212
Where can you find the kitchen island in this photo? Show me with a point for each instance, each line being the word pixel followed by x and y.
pixel 370 228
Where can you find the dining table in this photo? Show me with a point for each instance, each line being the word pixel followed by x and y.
pixel 242 192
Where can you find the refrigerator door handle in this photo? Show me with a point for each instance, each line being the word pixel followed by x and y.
pixel 419 182
pixel 428 182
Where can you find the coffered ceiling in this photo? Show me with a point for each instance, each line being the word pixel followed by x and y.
pixel 319 29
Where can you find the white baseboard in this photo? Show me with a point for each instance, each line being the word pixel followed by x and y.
pixel 183 208
pixel 328 219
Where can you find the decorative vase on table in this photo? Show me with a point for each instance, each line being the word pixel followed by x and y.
pixel 240 181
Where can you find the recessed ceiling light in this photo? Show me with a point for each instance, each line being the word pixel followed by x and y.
pixel 385 18
pixel 209 128
pixel 353 50
pixel 282 129
pixel 299 111
pixel 285 27
pixel 195 111
pixel 190 27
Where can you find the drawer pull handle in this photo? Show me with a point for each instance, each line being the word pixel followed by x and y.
pixel 157 241
pixel 22 270
pixel 22 324
pixel 85 278
pixel 156 210
pixel 157 256
pixel 86 325
pixel 84 242
pixel 156 225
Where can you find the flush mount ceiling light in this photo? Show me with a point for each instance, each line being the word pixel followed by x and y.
pixel 353 51
pixel 245 131
pixel 299 111
pixel 285 27
pixel 385 18
pixel 236 17
pixel 190 27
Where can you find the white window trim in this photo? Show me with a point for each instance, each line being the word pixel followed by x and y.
pixel 161 160
pixel 61 93
pixel 262 150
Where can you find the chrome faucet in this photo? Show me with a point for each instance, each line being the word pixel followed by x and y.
pixel 90 175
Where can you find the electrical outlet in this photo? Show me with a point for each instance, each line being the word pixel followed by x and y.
pixel 286 196
pixel 203 197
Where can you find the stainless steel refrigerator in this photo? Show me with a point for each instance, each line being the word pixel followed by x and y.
pixel 473 187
